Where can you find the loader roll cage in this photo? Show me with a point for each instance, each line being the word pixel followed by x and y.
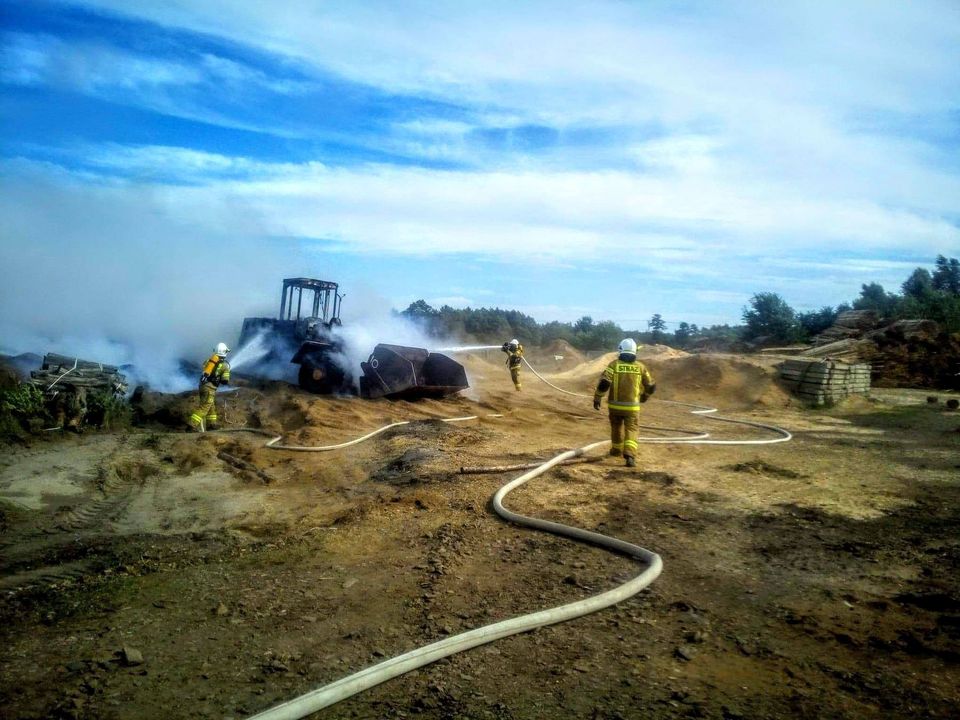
pixel 325 303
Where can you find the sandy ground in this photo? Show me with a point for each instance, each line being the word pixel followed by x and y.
pixel 144 575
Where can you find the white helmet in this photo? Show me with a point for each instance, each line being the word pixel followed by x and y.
pixel 514 343
pixel 221 349
pixel 628 346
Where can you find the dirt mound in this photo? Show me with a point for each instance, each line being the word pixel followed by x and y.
pixel 9 379
pixel 558 356
pixel 286 570
pixel 562 347
pixel 590 369
pixel 723 381
pixel 481 361
pixel 646 352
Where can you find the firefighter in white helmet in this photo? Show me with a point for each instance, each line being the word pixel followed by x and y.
pixel 514 351
pixel 627 383
pixel 216 372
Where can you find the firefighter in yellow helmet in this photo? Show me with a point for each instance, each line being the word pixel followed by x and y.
pixel 216 372
pixel 627 383
pixel 514 351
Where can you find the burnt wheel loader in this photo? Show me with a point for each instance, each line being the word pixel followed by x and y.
pixel 306 329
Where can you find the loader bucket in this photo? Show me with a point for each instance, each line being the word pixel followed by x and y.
pixel 400 371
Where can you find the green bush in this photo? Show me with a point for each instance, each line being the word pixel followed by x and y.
pixel 20 408
pixel 24 401
pixel 106 410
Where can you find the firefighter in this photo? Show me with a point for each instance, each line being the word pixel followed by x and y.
pixel 216 371
pixel 628 383
pixel 514 351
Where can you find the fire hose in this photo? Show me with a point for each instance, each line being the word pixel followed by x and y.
pixel 698 410
pixel 274 439
pixel 344 688
pixel 358 682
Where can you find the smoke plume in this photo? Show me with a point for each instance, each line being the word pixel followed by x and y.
pixel 111 273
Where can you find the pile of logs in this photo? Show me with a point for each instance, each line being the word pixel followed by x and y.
pixel 851 350
pixel 849 324
pixel 902 353
pixel 61 371
pixel 823 383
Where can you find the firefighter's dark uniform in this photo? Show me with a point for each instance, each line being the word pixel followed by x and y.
pixel 217 372
pixel 514 361
pixel 627 383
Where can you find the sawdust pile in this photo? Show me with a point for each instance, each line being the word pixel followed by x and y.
pixel 723 381
pixel 659 352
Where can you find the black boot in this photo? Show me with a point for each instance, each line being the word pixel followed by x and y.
pixel 631 462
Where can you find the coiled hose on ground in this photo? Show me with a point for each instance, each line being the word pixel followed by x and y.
pixel 358 682
pixel 394 667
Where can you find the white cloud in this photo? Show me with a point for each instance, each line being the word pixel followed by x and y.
pixel 553 216
pixel 767 94
pixel 103 71
pixel 726 142
pixel 698 55
pixel 35 59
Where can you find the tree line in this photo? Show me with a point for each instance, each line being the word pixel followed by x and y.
pixel 924 295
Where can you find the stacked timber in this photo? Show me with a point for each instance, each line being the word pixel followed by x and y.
pixel 904 353
pixel 849 324
pixel 61 371
pixel 826 382
pixel 849 350
pixel 911 331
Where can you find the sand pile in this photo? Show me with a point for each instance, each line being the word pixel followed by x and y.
pixel 556 357
pixel 568 351
pixel 646 352
pixel 592 368
pixel 722 381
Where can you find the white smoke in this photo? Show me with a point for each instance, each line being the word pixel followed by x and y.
pixel 368 320
pixel 107 272
pixel 359 336
pixel 111 272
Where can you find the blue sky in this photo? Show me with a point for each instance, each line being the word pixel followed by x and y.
pixel 613 159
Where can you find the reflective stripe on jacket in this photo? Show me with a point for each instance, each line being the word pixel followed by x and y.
pixel 628 381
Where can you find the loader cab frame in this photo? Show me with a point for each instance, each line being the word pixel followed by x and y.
pixel 324 305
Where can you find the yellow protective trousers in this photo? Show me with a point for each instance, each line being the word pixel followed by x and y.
pixel 624 428
pixel 206 413
pixel 515 376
